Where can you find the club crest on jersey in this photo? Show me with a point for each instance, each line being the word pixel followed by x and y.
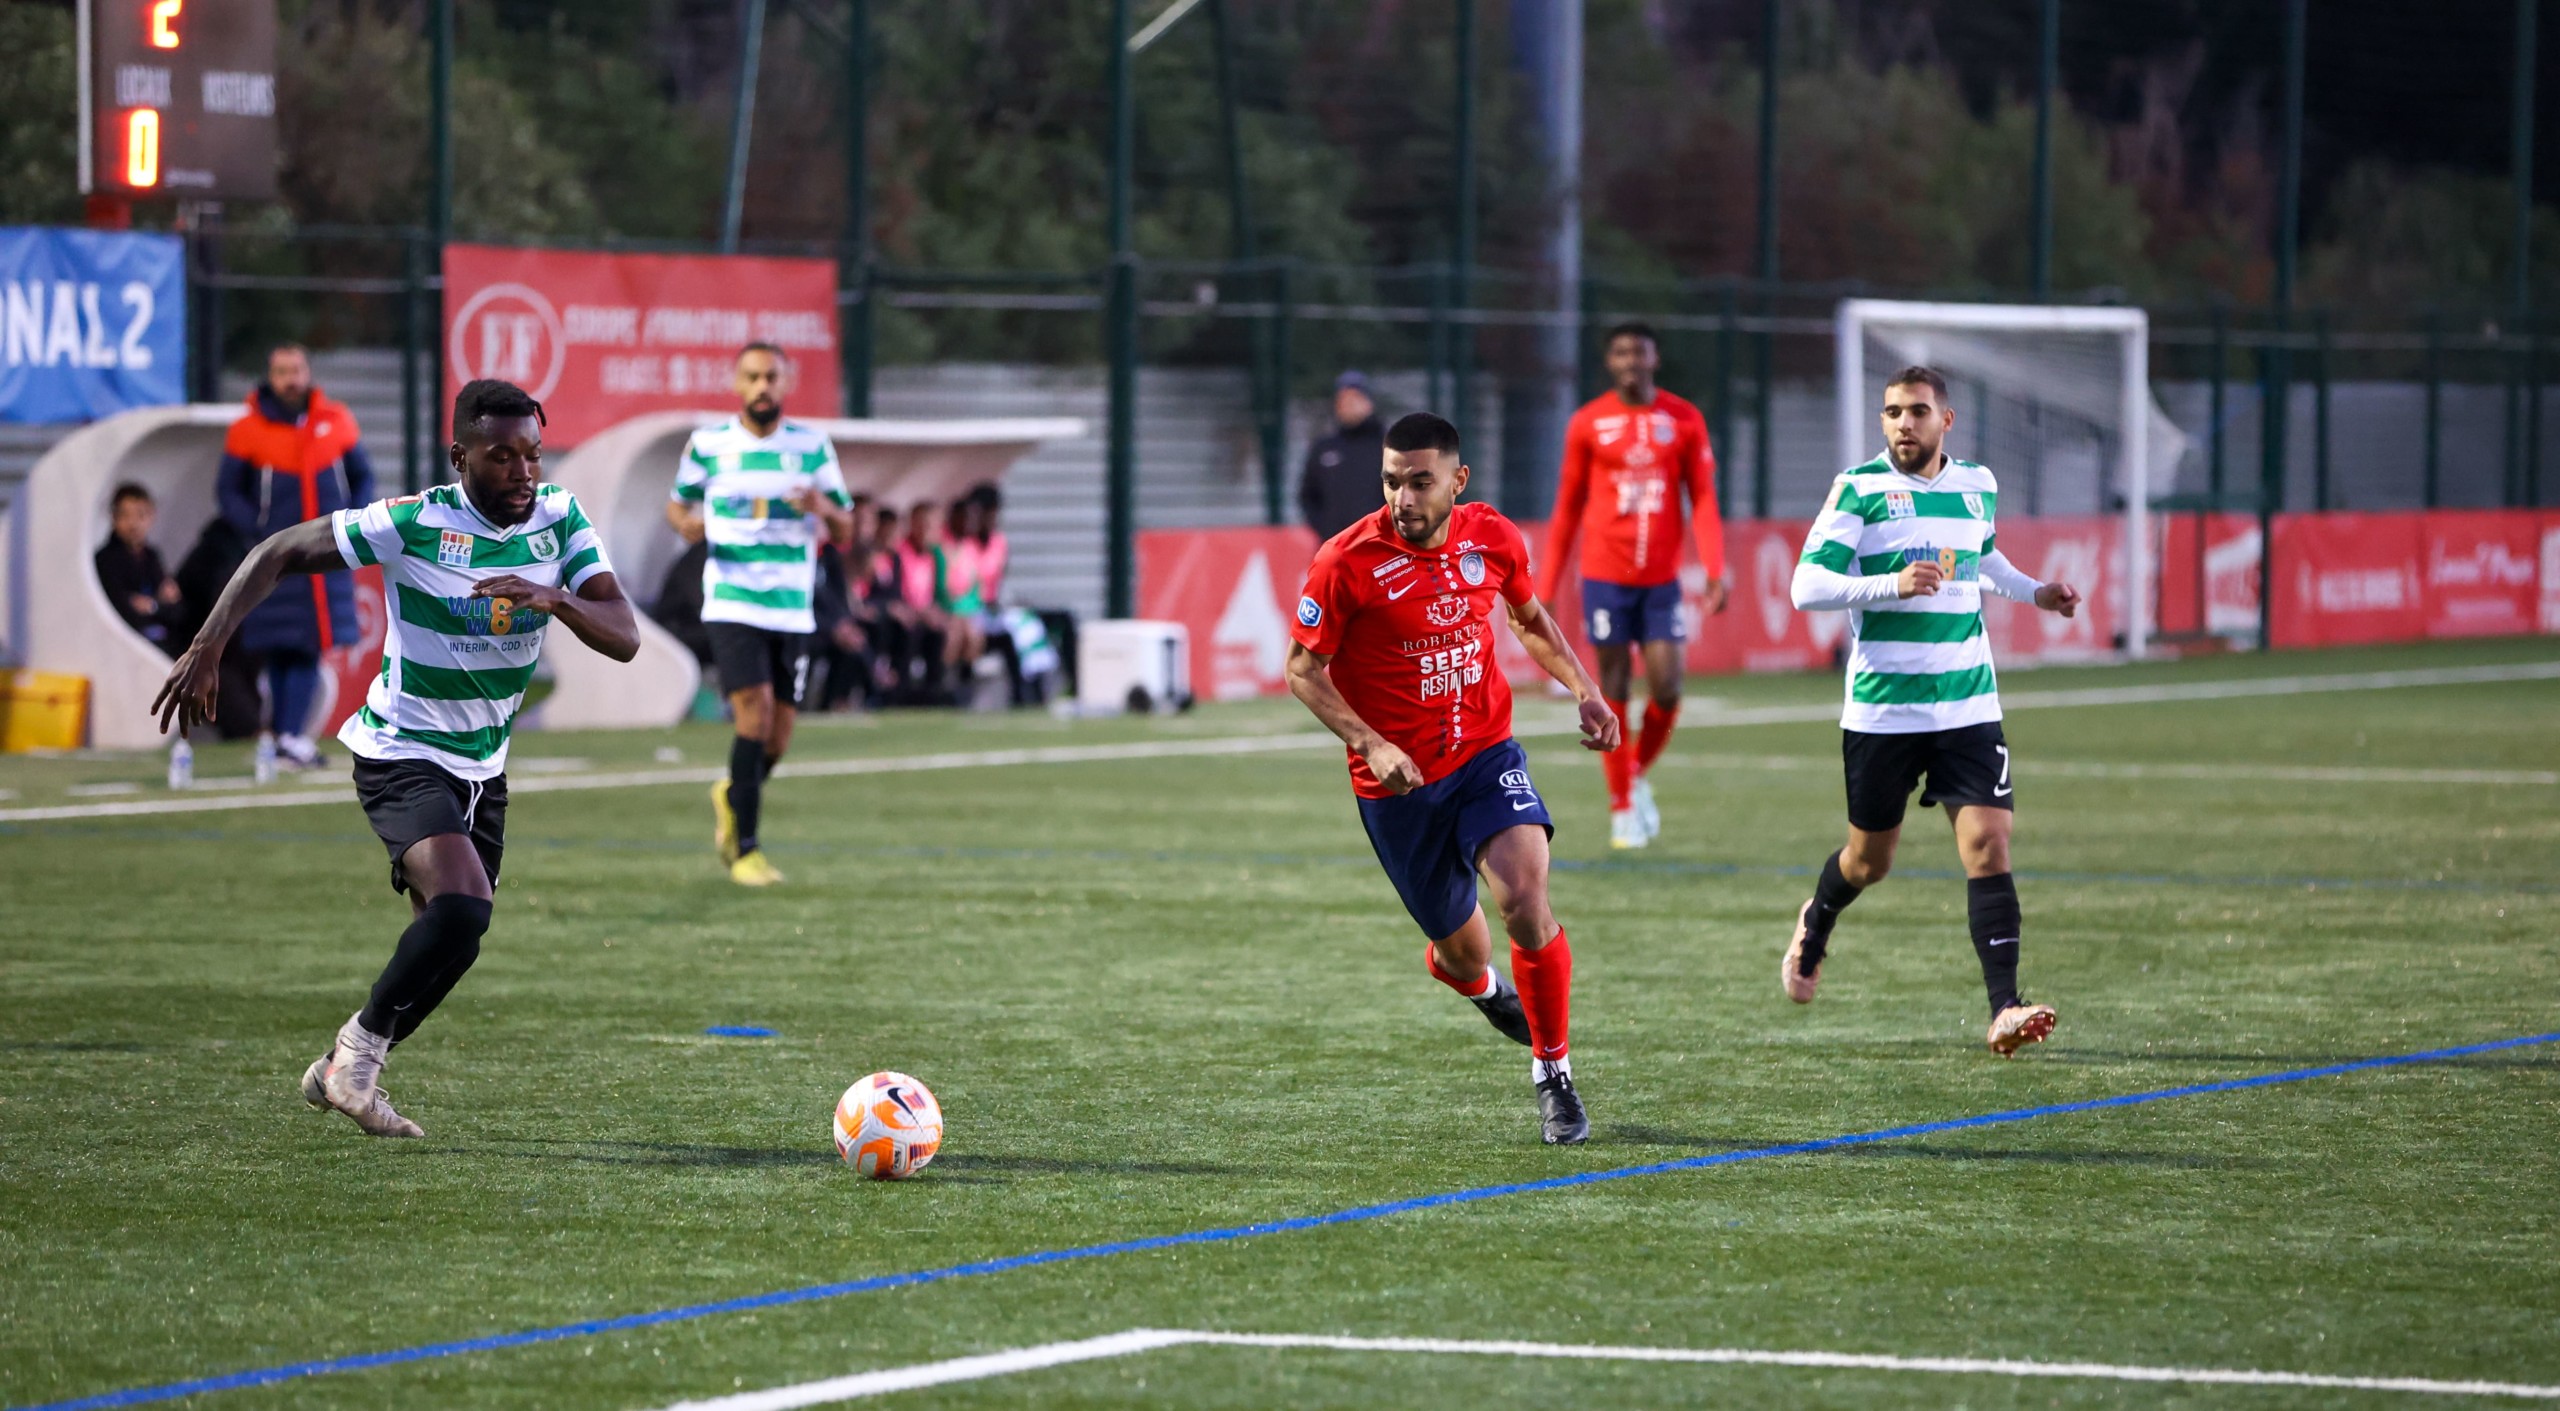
pixel 1471 568
pixel 1897 504
pixel 1309 613
pixel 1663 430
pixel 545 545
pixel 1973 504
pixel 1445 612
pixel 453 549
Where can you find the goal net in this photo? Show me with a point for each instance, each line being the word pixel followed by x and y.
pixel 2056 401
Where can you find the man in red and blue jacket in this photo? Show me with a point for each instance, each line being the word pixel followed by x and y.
pixel 294 457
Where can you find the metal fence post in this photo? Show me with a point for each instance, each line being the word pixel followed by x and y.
pixel 1728 313
pixel 1768 249
pixel 2048 60
pixel 2434 486
pixel 410 442
pixel 1462 217
pixel 2214 463
pixel 860 329
pixel 1121 337
pixel 2320 411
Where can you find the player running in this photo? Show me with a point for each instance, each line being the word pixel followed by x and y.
pixel 1394 652
pixel 1629 453
pixel 1905 547
pixel 760 489
pixel 474 572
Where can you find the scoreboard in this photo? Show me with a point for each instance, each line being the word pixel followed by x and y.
pixel 178 99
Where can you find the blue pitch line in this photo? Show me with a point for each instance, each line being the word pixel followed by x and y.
pixel 1670 867
pixel 269 1376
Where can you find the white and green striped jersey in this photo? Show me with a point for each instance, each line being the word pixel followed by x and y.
pixel 1921 663
pixel 455 667
pixel 763 567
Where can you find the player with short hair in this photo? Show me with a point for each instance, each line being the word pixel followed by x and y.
pixel 760 489
pixel 1905 545
pixel 474 573
pixel 1629 455
pixel 1394 651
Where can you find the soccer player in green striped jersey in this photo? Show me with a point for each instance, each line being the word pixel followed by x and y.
pixel 1905 546
pixel 761 491
pixel 473 573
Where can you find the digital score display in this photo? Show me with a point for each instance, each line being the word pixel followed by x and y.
pixel 178 99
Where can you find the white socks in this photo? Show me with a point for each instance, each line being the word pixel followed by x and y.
pixel 1540 1069
pixel 1492 982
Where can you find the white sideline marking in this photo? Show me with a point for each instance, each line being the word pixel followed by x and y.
pixel 539 783
pixel 1000 1364
pixel 2096 769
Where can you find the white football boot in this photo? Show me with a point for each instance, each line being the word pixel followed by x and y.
pixel 1641 800
pixel 348 1078
pixel 1626 829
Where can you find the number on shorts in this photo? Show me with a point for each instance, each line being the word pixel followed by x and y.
pixel 2001 790
pixel 1600 624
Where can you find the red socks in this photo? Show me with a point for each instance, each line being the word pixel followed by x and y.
pixel 1658 720
pixel 1431 962
pixel 1618 766
pixel 1545 978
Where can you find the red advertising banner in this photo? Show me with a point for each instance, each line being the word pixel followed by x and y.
pixel 2551 573
pixel 2206 577
pixel 1235 589
pixel 2346 577
pixel 598 338
pixel 2481 572
pixel 349 667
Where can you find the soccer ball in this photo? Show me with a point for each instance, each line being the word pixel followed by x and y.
pixel 888 1126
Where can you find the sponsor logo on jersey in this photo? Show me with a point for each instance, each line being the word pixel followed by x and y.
pixel 1309 613
pixel 545 545
pixel 1973 504
pixel 1947 562
pixel 1897 504
pixel 1392 565
pixel 1471 568
pixel 1445 612
pixel 453 549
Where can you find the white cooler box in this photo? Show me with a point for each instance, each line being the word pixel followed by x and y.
pixel 1133 664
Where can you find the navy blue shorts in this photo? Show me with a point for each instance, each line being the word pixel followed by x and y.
pixel 1428 840
pixel 1615 614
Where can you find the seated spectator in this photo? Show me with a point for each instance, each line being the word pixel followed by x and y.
pixel 129 568
pixel 1022 637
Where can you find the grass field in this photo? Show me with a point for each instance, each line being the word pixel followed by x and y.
pixel 1170 992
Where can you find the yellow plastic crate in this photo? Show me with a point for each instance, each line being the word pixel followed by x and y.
pixel 43 710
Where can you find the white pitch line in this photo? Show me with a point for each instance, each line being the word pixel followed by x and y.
pixel 1304 739
pixel 867 1384
pixel 2097 769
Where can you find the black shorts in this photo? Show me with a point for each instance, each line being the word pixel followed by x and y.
pixel 747 657
pixel 409 800
pixel 1966 765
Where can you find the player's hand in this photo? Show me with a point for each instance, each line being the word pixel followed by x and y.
pixel 1718 593
pixel 2059 597
pixel 1920 579
pixel 1600 730
pixel 186 698
pixel 810 500
pixel 523 592
pixel 689 527
pixel 1393 768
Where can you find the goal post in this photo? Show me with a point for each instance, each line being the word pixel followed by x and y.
pixel 2055 400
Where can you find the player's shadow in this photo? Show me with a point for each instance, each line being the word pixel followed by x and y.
pixel 672 1154
pixel 2542 1057
pixel 1933 1151
pixel 73 1046
pixel 992 1165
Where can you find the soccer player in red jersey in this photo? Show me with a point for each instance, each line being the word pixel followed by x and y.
pixel 1628 455
pixel 1394 652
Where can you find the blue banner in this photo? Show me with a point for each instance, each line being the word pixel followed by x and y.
pixel 92 322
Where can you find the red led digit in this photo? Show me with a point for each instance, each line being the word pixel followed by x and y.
pixel 142 148
pixel 164 24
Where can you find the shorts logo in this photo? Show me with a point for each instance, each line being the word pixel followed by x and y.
pixel 545 545
pixel 1515 779
pixel 1445 612
pixel 1973 504
pixel 1471 568
pixel 1309 614
pixel 453 549
pixel 1897 504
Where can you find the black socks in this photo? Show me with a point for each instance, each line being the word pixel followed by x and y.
pixel 1992 906
pixel 1831 895
pixel 433 954
pixel 746 788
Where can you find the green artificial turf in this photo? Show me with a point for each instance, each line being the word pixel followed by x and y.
pixel 1165 994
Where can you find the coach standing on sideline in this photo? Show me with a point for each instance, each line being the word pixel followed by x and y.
pixel 294 457
pixel 1339 485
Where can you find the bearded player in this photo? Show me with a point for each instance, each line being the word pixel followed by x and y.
pixel 1629 455
pixel 475 572
pixel 1905 545
pixel 1394 652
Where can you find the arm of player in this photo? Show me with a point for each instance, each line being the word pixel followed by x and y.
pixel 836 519
pixel 2006 579
pixel 186 698
pixel 1536 627
pixel 1708 521
pixel 1820 589
pixel 686 520
pixel 597 613
pixel 1315 690
pixel 1564 527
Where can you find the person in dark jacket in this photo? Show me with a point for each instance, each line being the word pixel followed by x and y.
pixel 1341 485
pixel 294 457
pixel 130 570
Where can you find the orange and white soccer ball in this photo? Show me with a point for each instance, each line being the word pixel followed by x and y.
pixel 888 1126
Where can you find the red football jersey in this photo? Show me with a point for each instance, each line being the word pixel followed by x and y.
pixel 1411 634
pixel 1624 470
